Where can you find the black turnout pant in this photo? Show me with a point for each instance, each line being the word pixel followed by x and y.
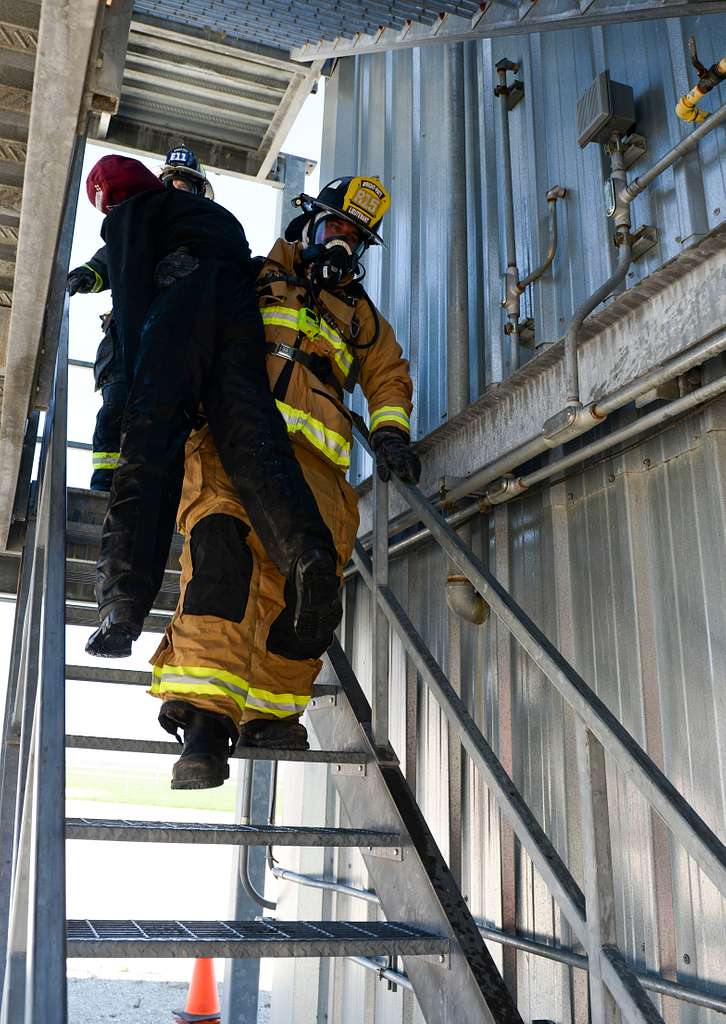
pixel 202 341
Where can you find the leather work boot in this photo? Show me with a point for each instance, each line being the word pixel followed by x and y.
pixel 275 734
pixel 120 626
pixel 318 608
pixel 209 740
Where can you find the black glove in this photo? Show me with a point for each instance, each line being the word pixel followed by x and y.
pixel 82 279
pixel 174 267
pixel 394 454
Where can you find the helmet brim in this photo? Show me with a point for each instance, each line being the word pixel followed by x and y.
pixel 171 169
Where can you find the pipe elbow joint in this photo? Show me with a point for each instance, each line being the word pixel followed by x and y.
pixel 555 193
pixel 463 600
pixel 686 110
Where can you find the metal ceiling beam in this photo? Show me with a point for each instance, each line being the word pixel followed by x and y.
pixel 298 91
pixel 501 19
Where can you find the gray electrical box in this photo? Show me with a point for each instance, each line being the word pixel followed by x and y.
pixel 605 108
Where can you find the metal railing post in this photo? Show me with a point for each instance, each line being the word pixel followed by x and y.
pixel 379 623
pixel 597 870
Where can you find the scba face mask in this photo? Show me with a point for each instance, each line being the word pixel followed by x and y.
pixel 334 256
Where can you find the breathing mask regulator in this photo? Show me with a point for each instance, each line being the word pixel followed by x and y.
pixel 330 256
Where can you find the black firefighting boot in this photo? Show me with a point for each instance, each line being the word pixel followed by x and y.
pixel 121 624
pixel 274 733
pixel 318 608
pixel 209 740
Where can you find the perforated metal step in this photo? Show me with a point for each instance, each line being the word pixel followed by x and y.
pixel 250 939
pixel 226 835
pixel 353 757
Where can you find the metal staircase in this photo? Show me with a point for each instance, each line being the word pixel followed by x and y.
pixel 427 921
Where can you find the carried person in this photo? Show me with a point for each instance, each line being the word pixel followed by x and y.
pixel 189 327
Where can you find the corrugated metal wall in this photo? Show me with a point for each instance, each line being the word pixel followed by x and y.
pixel 393 115
pixel 620 565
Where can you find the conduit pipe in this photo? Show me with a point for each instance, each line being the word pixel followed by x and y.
pixel 513 286
pixel 559 954
pixel 629 192
pixel 585 419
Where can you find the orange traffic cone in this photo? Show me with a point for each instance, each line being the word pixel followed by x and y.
pixel 202 1001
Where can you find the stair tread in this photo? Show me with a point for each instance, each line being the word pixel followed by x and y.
pixel 87 615
pixel 124 830
pixel 261 938
pixel 142 677
pixel 248 753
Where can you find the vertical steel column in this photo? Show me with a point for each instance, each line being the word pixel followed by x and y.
pixel 293 184
pixel 510 238
pixel 457 306
pixel 379 623
pixel 598 869
pixel 241 990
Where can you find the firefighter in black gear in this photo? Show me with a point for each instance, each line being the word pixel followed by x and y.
pixel 190 330
pixel 181 170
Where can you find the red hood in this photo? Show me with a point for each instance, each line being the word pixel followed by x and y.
pixel 115 178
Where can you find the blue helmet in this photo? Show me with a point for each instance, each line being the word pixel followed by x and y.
pixel 182 162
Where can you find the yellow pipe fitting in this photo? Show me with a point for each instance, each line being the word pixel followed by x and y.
pixel 686 106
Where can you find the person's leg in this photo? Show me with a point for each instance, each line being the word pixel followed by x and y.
pixel 257 455
pixel 107 434
pixel 173 359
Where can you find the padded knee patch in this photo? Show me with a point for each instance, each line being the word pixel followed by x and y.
pixel 221 569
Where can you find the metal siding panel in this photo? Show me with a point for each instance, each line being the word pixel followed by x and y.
pixel 556 68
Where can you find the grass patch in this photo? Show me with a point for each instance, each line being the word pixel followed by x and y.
pixel 117 786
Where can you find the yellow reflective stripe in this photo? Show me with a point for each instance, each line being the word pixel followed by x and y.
pixel 279 704
pixel 332 444
pixel 303 322
pixel 215 682
pixel 98 283
pixel 390 414
pixel 105 460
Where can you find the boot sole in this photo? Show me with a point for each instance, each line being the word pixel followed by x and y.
pixel 108 646
pixel 193 773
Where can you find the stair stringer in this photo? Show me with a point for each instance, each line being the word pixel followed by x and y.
pixel 418 889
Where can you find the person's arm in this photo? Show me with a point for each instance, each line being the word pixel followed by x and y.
pixel 91 276
pixel 386 383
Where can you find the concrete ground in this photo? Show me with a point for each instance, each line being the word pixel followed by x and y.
pixel 115 1001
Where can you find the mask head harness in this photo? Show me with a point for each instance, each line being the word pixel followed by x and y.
pixel 358 202
pixel 183 163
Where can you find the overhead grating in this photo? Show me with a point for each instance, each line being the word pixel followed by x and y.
pixel 233 100
pixel 287 24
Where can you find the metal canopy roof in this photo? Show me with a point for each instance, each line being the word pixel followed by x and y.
pixel 287 24
pixel 232 101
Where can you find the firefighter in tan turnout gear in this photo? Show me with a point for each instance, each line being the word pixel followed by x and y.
pixel 230 664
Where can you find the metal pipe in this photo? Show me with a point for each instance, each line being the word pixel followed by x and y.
pixel 325 883
pixel 511 301
pixel 386 973
pixel 552 196
pixel 629 192
pixel 653 419
pixel 572 372
pixel 244 851
pixel 709 347
pixel 457 264
pixel 559 954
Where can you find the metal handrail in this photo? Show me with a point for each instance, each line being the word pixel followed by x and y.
pixel 34 983
pixel 600 733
